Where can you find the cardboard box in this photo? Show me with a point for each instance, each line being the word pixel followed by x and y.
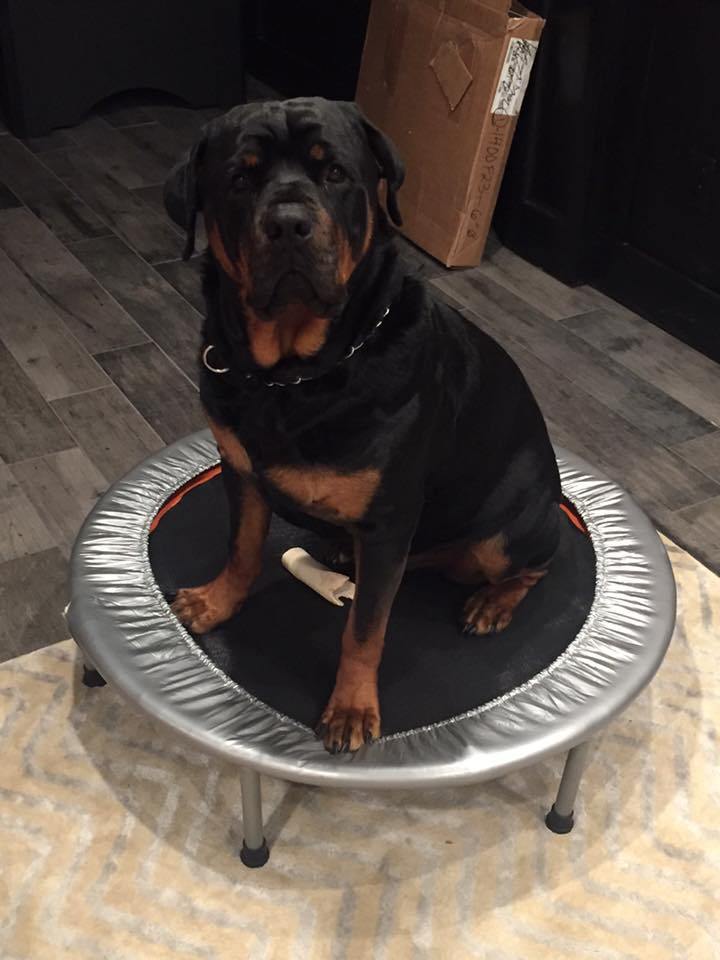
pixel 445 80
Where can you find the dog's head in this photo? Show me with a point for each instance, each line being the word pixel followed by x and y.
pixel 289 193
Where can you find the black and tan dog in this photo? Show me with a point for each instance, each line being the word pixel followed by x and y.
pixel 343 397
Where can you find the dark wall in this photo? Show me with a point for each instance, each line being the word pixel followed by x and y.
pixel 58 59
pixel 308 47
pixel 546 196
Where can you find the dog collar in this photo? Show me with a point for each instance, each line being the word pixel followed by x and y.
pixel 291 383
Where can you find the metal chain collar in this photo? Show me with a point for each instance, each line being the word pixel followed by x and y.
pixel 289 383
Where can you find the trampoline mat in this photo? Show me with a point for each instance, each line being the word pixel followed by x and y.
pixel 283 647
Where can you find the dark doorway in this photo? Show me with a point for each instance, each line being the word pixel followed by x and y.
pixel 613 179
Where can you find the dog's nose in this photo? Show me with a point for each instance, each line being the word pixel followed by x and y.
pixel 288 221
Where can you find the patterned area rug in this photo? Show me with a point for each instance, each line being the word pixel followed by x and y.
pixel 118 844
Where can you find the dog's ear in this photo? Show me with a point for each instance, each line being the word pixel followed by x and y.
pixel 392 169
pixel 182 194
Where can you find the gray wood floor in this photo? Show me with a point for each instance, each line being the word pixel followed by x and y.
pixel 99 325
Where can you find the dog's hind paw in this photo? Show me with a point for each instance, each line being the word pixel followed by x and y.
pixel 489 610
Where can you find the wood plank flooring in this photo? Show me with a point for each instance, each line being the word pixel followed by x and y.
pixel 99 327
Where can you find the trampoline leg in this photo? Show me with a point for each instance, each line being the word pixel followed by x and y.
pixel 91 677
pixel 561 819
pixel 254 851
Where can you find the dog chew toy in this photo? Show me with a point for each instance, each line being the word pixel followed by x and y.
pixel 333 586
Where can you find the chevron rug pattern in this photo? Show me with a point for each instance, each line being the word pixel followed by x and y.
pixel 117 843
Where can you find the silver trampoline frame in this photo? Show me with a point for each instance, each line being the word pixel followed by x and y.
pixel 125 628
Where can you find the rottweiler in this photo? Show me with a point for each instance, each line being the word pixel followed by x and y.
pixel 344 397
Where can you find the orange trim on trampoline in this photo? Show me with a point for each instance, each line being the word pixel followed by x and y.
pixel 573 518
pixel 175 499
pixel 215 471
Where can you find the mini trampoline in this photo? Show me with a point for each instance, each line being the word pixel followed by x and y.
pixel 456 709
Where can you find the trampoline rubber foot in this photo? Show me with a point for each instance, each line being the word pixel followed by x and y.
pixel 255 857
pixel 558 823
pixel 91 678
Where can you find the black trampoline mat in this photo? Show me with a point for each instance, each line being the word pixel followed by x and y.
pixel 283 647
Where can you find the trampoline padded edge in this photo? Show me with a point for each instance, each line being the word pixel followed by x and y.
pixel 120 620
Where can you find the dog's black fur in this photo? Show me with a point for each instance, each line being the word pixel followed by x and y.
pixel 429 413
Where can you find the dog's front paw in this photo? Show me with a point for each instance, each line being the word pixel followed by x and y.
pixel 204 608
pixel 351 718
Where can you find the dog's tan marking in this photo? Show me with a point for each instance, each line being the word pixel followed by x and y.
pixel 491 608
pixel 245 558
pixel 322 491
pixel 244 277
pixel 293 331
pixel 203 608
pixel 263 339
pixel 346 262
pixel 467 562
pixel 230 448
pixel 352 716
pixel 317 151
pixel 250 159
pixel 369 230
pixel 488 558
pixel 306 339
pixel 221 255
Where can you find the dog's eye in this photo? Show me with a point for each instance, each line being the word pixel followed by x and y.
pixel 239 180
pixel 335 173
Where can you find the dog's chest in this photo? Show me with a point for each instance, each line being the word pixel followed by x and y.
pixel 320 491
pixel 325 493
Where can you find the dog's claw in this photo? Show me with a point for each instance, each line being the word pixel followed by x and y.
pixel 346 729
